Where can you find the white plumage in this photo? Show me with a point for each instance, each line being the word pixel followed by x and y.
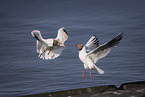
pixel 50 48
pixel 92 52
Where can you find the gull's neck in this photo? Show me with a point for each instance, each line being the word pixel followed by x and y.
pixel 83 50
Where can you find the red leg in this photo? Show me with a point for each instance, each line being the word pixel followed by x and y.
pixel 83 73
pixel 90 74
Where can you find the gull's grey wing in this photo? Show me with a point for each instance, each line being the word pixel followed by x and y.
pixel 62 35
pixel 41 47
pixel 104 49
pixel 38 46
pixel 92 43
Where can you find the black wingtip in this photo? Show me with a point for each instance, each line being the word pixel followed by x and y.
pixel 65 32
pixel 94 36
pixel 121 34
pixel 36 37
pixel 116 40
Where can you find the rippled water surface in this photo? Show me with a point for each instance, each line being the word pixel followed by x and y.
pixel 23 73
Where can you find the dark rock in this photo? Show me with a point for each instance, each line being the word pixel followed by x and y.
pixel 133 85
pixel 91 90
pixel 143 95
pixel 132 89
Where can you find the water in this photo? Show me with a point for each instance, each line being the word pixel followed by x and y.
pixel 23 73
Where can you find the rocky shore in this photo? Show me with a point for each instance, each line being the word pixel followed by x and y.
pixel 132 89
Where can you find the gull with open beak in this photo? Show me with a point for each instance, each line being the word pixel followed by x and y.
pixel 50 48
pixel 90 53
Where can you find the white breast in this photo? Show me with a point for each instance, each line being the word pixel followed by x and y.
pixel 82 55
pixel 85 59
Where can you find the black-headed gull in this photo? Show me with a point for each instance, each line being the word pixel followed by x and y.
pixel 92 52
pixel 50 48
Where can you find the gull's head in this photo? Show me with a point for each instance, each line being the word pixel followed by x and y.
pixel 36 34
pixel 80 46
pixel 56 43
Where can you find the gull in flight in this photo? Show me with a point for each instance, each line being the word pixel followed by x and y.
pixel 50 48
pixel 90 53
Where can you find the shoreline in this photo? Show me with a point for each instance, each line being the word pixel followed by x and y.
pixel 134 89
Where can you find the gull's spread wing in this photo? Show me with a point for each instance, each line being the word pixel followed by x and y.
pixel 104 49
pixel 62 35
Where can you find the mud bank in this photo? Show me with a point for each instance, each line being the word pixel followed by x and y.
pixel 132 89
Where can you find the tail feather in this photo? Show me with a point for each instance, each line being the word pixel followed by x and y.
pixel 46 54
pixel 99 70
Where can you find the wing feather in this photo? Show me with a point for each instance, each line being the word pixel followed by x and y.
pixel 92 43
pixel 62 35
pixel 51 54
pixel 104 49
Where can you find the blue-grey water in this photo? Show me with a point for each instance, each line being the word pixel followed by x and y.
pixel 23 73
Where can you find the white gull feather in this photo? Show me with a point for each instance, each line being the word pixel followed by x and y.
pixel 50 48
pixel 92 52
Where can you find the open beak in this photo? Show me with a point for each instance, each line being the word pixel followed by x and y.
pixel 76 45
